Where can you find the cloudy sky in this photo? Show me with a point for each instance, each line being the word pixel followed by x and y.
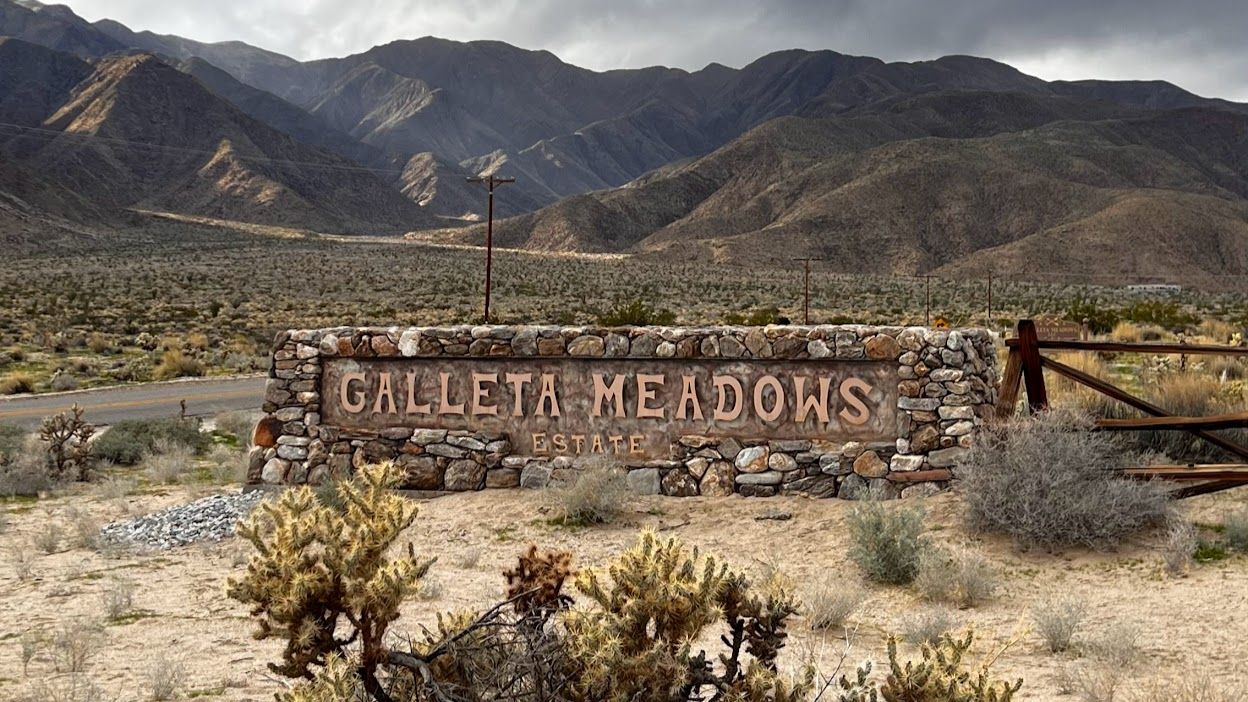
pixel 1198 44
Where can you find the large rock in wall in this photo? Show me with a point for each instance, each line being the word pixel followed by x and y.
pixel 946 384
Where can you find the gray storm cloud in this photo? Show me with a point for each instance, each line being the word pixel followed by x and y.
pixel 1197 44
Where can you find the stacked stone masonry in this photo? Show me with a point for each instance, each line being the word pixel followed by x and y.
pixel 947 386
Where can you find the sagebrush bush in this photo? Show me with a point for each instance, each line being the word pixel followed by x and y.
pixel 955 575
pixel 1117 645
pixel 168 462
pixel 886 542
pixel 1057 620
pixel 127 441
pixel 117 599
pixel 1049 481
pixel 1180 547
pixel 832 603
pixel 597 495
pixel 239 425
pixel 164 678
pixel 27 472
pixel 1200 688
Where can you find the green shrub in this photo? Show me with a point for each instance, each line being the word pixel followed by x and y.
pixel 635 313
pixel 886 542
pixel 1235 530
pixel 11 439
pixel 1049 481
pixel 127 441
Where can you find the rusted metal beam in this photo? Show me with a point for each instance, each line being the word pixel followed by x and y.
pixel 1205 488
pixel 1123 347
pixel 1143 405
pixel 1033 366
pixel 919 476
pixel 1223 421
pixel 1200 471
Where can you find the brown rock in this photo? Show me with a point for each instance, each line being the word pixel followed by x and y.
pixel 464 474
pixel 678 483
pixel 502 478
pixel 882 347
pixel 550 347
pixel 266 433
pixel 927 438
pixel 423 473
pixel 719 479
pixel 383 346
pixel 870 465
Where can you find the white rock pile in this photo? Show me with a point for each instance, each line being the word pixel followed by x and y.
pixel 208 519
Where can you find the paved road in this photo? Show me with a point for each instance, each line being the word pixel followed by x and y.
pixel 148 401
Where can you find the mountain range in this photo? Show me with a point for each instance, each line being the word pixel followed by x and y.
pixel 955 164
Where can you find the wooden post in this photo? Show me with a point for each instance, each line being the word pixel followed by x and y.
pixel 1010 384
pixel 1033 366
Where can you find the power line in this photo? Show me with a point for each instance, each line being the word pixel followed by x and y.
pixel 49 134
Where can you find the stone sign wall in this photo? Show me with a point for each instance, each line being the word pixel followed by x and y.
pixel 821 410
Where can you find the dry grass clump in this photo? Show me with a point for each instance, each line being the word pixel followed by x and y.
pixel 25 472
pixel 886 542
pixel 175 364
pixel 22 561
pixel 48 539
pixel 1180 548
pixel 226 465
pixel 239 425
pixel 1117 645
pixel 84 527
pixel 168 462
pixel 1049 482
pixel 832 603
pixel 957 576
pixel 597 496
pixel 17 383
pixel 927 625
pixel 1057 620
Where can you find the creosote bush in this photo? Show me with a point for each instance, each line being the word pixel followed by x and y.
pixel 886 542
pixel 831 604
pixel 1050 482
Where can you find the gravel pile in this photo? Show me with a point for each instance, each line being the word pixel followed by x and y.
pixel 209 519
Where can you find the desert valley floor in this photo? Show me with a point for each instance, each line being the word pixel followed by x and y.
pixel 1188 626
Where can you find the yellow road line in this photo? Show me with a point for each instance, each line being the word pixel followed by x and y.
pixel 120 404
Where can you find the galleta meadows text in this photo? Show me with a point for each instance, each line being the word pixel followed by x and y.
pixel 633 407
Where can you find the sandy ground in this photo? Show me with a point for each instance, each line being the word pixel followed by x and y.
pixel 1194 623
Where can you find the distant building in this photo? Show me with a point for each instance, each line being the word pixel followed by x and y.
pixel 1164 288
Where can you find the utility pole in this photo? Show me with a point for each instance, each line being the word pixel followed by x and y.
pixel 989 325
pixel 927 301
pixel 490 182
pixel 806 289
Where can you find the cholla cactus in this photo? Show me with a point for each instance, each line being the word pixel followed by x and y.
pixel 535 585
pixel 318 569
pixel 940 676
pixel 68 440
pixel 637 643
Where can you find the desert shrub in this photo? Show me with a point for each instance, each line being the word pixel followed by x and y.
pixel 175 364
pixel 22 561
pixel 939 675
pixel 926 625
pixel 635 313
pixel 164 678
pixel 1101 318
pixel 98 343
pixel 67 438
pixel 226 465
pixel 1117 645
pixel 886 542
pixel 1227 368
pixel 1167 315
pixel 16 383
pixel 1049 481
pixel 656 598
pixel 957 576
pixel 48 539
pixel 26 472
pixel 1200 688
pixel 11 440
pixel 1235 529
pixel 84 527
pixel 1057 620
pixel 596 496
pixel 833 602
pixel 74 644
pixel 117 599
pixel 127 441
